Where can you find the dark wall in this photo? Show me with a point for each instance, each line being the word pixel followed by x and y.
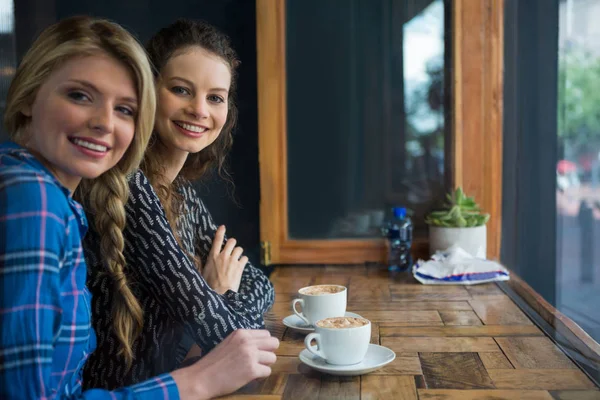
pixel 143 17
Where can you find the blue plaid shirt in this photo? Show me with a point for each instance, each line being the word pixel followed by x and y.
pixel 44 303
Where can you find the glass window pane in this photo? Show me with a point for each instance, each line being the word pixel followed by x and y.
pixel 367 90
pixel 578 166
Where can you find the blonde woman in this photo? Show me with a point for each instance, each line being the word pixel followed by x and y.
pixel 81 107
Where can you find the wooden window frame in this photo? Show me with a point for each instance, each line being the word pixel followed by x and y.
pixel 477 69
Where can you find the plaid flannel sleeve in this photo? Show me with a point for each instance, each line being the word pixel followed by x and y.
pixel 32 244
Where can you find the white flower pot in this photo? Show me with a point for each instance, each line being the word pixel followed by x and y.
pixel 472 240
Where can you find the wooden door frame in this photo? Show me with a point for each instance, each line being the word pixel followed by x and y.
pixel 477 68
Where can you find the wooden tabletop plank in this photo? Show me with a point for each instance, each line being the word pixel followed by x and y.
pixel 534 353
pixel 465 331
pixel 408 305
pixel 302 387
pixel 251 397
pixel 287 365
pixel 275 327
pixel 425 293
pixel 445 394
pixel 440 344
pixel 544 379
pixel 454 371
pixel 288 348
pixel 460 318
pixel 576 394
pixel 495 361
pixel 401 366
pixel 402 318
pixel 367 289
pixel 375 333
pixel 499 312
pixel 339 388
pixel 275 384
pixel 484 289
pixel 376 387
pixel 328 279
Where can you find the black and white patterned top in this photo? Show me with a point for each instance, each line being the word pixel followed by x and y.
pixel 176 299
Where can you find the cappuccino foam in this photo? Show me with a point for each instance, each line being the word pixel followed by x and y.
pixel 342 322
pixel 321 290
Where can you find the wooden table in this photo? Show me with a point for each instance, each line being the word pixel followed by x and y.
pixel 451 342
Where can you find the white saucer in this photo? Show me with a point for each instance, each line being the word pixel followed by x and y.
pixel 377 356
pixel 294 322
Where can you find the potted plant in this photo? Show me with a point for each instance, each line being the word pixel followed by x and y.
pixel 461 223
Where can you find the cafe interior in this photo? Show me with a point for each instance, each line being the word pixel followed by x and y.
pixel 352 109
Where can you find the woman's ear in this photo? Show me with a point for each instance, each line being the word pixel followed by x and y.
pixel 26 110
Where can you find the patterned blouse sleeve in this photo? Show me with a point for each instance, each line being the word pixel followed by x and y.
pixel 168 274
pixel 256 290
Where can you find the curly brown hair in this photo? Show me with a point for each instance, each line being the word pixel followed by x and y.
pixel 171 41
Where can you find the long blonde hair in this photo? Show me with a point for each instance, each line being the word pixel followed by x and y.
pixel 105 196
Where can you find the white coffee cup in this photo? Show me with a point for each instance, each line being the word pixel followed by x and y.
pixel 340 345
pixel 317 306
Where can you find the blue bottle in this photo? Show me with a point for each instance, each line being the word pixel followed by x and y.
pixel 399 235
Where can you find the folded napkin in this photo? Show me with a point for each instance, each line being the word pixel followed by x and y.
pixel 455 266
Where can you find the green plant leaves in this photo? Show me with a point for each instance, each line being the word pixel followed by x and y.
pixel 461 211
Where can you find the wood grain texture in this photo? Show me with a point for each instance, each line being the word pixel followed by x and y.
pixel 376 387
pixel 339 387
pixel 274 326
pixel 460 318
pixel 251 397
pixel 477 107
pixel 576 336
pixel 534 353
pixel 402 318
pixel 371 291
pixel 270 59
pixel 409 305
pixel 453 331
pixel 495 361
pixel 499 312
pixel 374 333
pixel 286 364
pixel 454 371
pixel 428 292
pixel 289 348
pixel 576 395
pixel 545 379
pixel 485 289
pixel 401 366
pixel 443 394
pixel 440 344
pixel 275 384
pixel 302 387
pixel 280 310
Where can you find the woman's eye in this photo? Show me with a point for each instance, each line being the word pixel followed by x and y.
pixel 78 96
pixel 126 111
pixel 180 90
pixel 216 99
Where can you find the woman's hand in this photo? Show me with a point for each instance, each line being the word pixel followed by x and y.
pixel 242 357
pixel 224 268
